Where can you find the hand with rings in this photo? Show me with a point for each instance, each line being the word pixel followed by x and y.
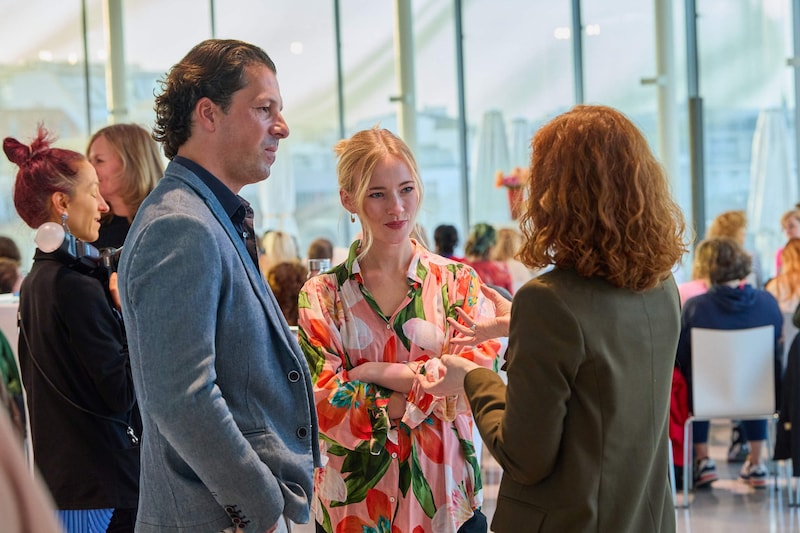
pixel 471 333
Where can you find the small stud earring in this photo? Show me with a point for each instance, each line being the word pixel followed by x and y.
pixel 352 218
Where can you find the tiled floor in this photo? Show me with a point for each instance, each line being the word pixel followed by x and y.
pixel 730 506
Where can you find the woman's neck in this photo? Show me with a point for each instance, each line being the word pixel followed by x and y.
pixel 388 258
pixel 118 208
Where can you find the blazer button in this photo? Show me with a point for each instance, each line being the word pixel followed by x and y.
pixel 302 432
pixel 294 376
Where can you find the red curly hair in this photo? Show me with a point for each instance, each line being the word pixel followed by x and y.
pixel 599 202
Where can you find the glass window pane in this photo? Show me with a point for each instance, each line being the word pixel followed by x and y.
pixel 518 74
pixel 748 99
pixel 301 196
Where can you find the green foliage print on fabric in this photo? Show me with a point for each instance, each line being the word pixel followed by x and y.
pixel 468 449
pixel 315 356
pixel 422 491
pixel 365 469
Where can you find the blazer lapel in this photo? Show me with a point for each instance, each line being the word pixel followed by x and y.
pixel 271 308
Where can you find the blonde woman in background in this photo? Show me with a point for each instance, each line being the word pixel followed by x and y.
pixel 128 166
pixel 785 287
pixel 700 267
pixel 509 242
pixel 277 247
pixel 733 224
pixel 790 224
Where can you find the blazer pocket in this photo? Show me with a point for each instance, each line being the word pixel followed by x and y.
pixel 513 516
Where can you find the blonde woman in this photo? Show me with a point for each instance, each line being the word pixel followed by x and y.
pixel 509 242
pixel 396 459
pixel 277 247
pixel 128 166
pixel 785 287
pixel 790 224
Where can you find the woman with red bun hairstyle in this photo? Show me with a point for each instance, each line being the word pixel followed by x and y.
pixel 74 363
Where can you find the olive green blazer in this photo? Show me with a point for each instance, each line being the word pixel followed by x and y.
pixel 581 429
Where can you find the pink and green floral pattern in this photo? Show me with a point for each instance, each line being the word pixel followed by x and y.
pixel 422 474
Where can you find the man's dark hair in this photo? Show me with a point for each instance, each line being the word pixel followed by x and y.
pixel 213 69
pixel 445 237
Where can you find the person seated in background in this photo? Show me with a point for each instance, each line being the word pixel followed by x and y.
pixel 478 249
pixel 790 224
pixel 700 264
pixel 445 238
pixel 277 247
pixel 10 251
pixel 286 279
pixel 733 224
pixel 320 248
pixel 9 275
pixel 128 166
pixel 509 242
pixel 728 304
pixel 785 287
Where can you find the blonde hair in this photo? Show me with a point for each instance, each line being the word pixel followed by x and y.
pixel 359 156
pixel 788 281
pixel 728 224
pixel 279 247
pixel 141 163
pixel 509 242
pixel 792 213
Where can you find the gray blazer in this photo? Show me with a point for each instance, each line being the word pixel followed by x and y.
pixel 230 429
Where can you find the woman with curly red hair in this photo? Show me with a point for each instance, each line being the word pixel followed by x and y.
pixel 581 428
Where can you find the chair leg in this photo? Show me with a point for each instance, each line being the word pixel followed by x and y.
pixel 688 470
pixel 672 474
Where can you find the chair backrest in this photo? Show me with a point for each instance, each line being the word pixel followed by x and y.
pixel 733 372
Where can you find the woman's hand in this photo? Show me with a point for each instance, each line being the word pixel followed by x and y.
pixel 113 289
pixel 471 333
pixel 446 379
pixel 397 406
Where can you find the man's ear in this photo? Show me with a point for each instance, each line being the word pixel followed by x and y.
pixel 206 113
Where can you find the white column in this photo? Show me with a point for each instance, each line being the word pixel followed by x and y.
pixel 404 70
pixel 116 96
pixel 667 104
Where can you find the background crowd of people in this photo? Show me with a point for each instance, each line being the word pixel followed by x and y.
pixel 245 389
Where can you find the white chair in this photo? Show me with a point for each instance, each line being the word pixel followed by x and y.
pixel 733 376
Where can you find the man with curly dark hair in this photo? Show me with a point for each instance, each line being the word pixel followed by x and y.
pixel 230 435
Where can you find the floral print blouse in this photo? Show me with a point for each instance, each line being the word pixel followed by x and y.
pixel 421 475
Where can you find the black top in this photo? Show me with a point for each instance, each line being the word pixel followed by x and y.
pixel 112 233
pixel 69 330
